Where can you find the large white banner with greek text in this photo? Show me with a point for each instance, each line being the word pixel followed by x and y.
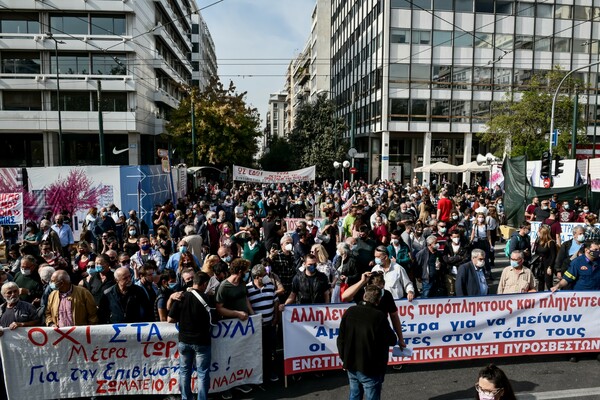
pixel 452 329
pixel 259 176
pixel 566 230
pixel 11 208
pixel 121 359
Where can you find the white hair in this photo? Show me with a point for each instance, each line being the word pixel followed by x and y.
pixel 46 273
pixel 7 286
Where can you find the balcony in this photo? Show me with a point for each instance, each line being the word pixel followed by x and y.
pixel 160 96
pixel 75 121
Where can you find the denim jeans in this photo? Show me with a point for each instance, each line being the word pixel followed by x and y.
pixel 426 289
pixel 363 385
pixel 187 354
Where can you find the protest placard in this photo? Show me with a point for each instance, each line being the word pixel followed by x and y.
pixel 452 329
pixel 259 176
pixel 11 208
pixel 121 359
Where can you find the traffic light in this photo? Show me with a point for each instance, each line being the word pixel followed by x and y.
pixel 558 165
pixel 546 164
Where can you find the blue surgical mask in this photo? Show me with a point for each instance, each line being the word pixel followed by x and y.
pixel 514 264
pixel 311 268
pixel 52 286
pixel 99 268
pixel 183 249
pixel 246 276
pixel 226 259
pixel 581 238
pixel 378 261
pixel 213 220
pixel 91 271
pixel 172 285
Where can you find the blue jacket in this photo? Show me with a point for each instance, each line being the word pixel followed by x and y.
pixel 467 281
pixel 585 274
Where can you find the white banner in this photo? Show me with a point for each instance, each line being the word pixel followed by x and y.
pixel 11 208
pixel 121 359
pixel 452 329
pixel 259 176
pixel 566 230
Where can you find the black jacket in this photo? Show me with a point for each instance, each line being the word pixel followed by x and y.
pixel 118 308
pixel 364 340
pixel 467 281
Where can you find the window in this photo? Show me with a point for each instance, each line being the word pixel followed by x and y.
pixel 504 42
pixel 562 11
pixel 442 38
pixel 581 46
pixel 543 44
pixel 71 63
pixel 441 75
pixel 106 64
pixel 70 24
pixel 22 100
pixel 399 72
pixel 421 37
pixel 544 10
pixel 418 110
pixel 524 42
pixel 71 101
pixel 442 5
pixel 113 101
pixel 108 25
pixel 14 22
pixel 400 36
pixel 504 7
pixel 582 13
pixel 420 75
pixel 463 5
pixel 21 62
pixel 399 110
pixel 484 40
pixel 562 44
pixel 482 78
pixel 400 4
pixel 463 39
pixel 502 78
pixel 522 77
pixel 460 111
pixel 525 9
pixel 481 111
pixel 461 77
pixel 484 6
pixel 421 4
pixel 440 110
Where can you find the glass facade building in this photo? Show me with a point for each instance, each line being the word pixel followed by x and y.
pixel 415 80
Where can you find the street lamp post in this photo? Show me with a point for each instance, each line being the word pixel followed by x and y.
pixel 49 35
pixel 556 96
pixel 343 165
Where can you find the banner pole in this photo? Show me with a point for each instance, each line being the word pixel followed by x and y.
pixel 285 383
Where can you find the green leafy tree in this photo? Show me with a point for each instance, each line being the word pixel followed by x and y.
pixel 526 122
pixel 317 136
pixel 227 129
pixel 277 156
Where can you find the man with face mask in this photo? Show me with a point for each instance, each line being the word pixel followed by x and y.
pixel 470 279
pixel 396 279
pixel 569 250
pixel 261 294
pixel 14 312
pixel 309 286
pixel 584 270
pixel 101 277
pixel 69 305
pixel 283 264
pixel 516 278
pixel 125 302
pixel 28 280
pixel 427 265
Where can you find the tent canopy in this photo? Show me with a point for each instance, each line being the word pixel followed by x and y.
pixel 439 167
pixel 474 167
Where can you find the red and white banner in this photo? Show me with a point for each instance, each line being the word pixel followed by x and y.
pixel 11 208
pixel 260 176
pixel 451 329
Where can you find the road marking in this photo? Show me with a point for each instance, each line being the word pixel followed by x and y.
pixel 558 394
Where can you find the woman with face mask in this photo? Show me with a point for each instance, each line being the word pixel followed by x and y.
pixel 545 248
pixel 493 384
pixel 130 245
pixel 253 248
pixel 167 285
pixel 84 262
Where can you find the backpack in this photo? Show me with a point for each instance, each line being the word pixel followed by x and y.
pixel 507 247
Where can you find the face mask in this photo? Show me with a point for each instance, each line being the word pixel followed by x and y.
pixel 189 284
pixel 125 264
pixel 378 261
pixel 226 259
pixel 246 276
pixel 581 238
pixel 288 247
pixel 28 229
pixel 146 247
pixel 226 230
pixel 90 270
pixel 14 300
pixel 586 210
pixel 132 232
pixel 105 214
pixel 309 223
pixel 487 396
pixel 172 285
pixel 566 206
pixel 544 207
pixel 480 264
pixel 183 249
pixel 442 230
pixel 480 220
pixel 456 240
pixel 311 268
pixel 514 264
pixel 268 269
pixel 395 242
pixel 455 217
pixel 266 280
pixel 595 254
pixel 99 268
pixel 437 246
pixel 25 272
pixel 213 220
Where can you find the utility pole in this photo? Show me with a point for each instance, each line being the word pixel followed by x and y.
pixel 101 124
pixel 193 131
pixel 50 36
pixel 574 133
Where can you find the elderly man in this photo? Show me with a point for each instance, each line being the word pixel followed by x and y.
pixel 428 263
pixel 193 240
pixel 470 279
pixel 51 236
pixel 516 278
pixel 569 250
pixel 28 280
pixel 125 302
pixel 69 305
pixel 283 264
pixel 396 279
pixel 182 247
pixel 65 234
pixel 15 313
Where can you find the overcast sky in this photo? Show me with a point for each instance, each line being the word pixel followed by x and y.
pixel 254 38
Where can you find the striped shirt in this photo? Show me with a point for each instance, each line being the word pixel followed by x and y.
pixel 262 300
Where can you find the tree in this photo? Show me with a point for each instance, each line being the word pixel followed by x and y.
pixel 277 158
pixel 226 127
pixel 526 122
pixel 75 192
pixel 317 136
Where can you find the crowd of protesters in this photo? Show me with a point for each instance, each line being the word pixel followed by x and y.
pixel 254 248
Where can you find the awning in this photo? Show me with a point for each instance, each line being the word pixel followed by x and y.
pixel 439 167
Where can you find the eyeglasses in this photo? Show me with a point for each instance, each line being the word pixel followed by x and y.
pixel 517 260
pixel 488 392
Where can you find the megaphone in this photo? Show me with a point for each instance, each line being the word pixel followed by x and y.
pixel 481 159
pixel 491 158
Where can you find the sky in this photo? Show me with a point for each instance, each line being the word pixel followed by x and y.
pixel 257 37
